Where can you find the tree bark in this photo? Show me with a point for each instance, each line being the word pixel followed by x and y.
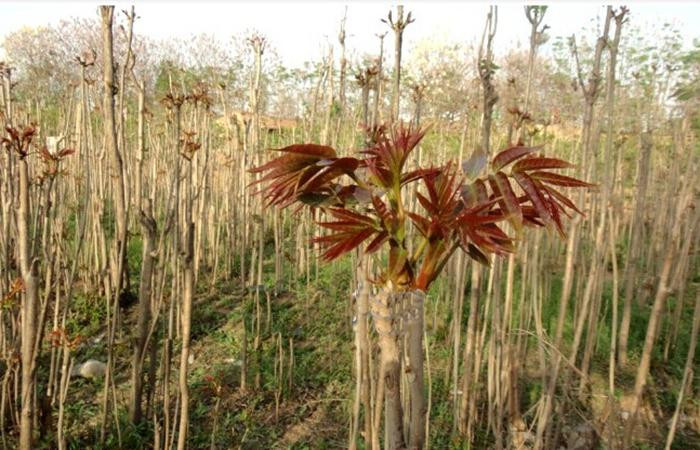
pixel 148 225
pixel 398 26
pixel 378 84
pixel 186 321
pixel 687 371
pixel 364 347
pixel 486 71
pixel 414 302
pixel 383 309
pixel 662 293
pixel 110 89
pixel 118 257
pixel 28 270
pixel 631 261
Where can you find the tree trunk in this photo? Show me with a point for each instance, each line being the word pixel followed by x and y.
pixel 414 303
pixel 186 321
pixel 657 308
pixel 687 371
pixel 364 346
pixel 110 89
pixel 325 133
pixel 144 311
pixel 398 26
pixel 631 261
pixel 378 85
pixel 463 424
pixel 118 251
pixel 28 271
pixel 486 72
pixel 386 324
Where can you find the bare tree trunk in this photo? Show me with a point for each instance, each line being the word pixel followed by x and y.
pixel 141 144
pixel 472 357
pixel 186 318
pixel 325 134
pixel 341 81
pixel 485 67
pixel 110 89
pixel 365 351
pixel 414 327
pixel 28 270
pixel 591 91
pixel 687 371
pixel 469 346
pixel 398 26
pixel 258 43
pixel 384 313
pixel 119 244
pixel 378 84
pixel 457 306
pixel 599 256
pixel 633 253
pixel 148 225
pixel 614 306
pixel 658 306
pixel 362 355
pixel 535 15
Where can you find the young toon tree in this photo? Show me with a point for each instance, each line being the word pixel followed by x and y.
pixel 364 197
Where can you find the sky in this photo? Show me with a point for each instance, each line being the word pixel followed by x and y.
pixel 299 30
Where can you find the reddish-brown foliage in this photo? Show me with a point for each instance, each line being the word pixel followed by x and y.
pixel 363 195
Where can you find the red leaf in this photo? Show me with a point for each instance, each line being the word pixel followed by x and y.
pixel 342 225
pixel 332 239
pixel 66 152
pixel 511 154
pixel 346 245
pixel 345 214
pixel 536 163
pixel 477 255
pixel 328 173
pixel 562 198
pixel 534 196
pixel 303 169
pixel 447 188
pixel 377 242
pixel 380 208
pixel 493 231
pixel 387 156
pixel 417 175
pixel 559 180
pixel 471 219
pixel 404 141
pixel 554 211
pixel 530 217
pixel 380 174
pixel 430 186
pixel 422 224
pixel 315 150
pixel 486 236
pixel 509 202
pixel 425 203
pixel 46 154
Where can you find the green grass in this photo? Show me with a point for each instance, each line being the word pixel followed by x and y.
pixel 316 319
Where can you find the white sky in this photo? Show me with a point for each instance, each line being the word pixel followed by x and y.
pixel 298 29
